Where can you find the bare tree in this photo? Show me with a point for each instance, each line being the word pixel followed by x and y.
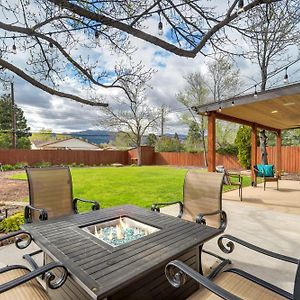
pixel 131 114
pixel 224 79
pixel 51 34
pixel 270 31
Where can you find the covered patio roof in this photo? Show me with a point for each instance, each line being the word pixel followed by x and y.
pixel 273 109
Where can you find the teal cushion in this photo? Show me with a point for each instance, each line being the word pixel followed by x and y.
pixel 260 169
pixel 265 170
pixel 268 169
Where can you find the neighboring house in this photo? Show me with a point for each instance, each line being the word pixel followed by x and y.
pixel 67 144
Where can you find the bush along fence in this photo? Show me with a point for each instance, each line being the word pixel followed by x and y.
pixel 41 158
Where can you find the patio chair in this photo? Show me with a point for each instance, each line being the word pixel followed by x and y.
pixel 267 172
pixel 51 194
pixel 233 283
pixel 202 202
pixel 228 179
pixel 19 282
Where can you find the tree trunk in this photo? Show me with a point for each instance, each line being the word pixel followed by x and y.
pixel 139 155
pixel 203 141
pixel 264 76
pixel 263 147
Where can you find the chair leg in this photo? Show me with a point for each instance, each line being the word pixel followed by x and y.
pixel 277 184
pixel 30 260
pixel 241 196
pixel 264 185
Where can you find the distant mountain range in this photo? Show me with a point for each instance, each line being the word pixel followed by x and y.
pixel 104 136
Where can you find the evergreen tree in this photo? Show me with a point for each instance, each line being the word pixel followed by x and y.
pixel 151 139
pixel 243 143
pixel 193 140
pixel 22 130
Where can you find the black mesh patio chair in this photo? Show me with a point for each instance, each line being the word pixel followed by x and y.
pixel 233 283
pixel 19 282
pixel 50 196
pixel 228 176
pixel 202 202
pixel 268 173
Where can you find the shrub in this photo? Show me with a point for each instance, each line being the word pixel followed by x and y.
pixel 21 165
pixel 43 164
pixel 229 149
pixel 81 165
pixel 12 223
pixel 8 168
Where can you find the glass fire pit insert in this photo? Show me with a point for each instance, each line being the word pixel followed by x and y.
pixel 120 231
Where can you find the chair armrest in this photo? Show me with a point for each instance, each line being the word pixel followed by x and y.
pixel 18 240
pixel 229 247
pixel 238 176
pixel 176 272
pixel 223 218
pixel 51 280
pixel 95 206
pixel 156 206
pixel 27 213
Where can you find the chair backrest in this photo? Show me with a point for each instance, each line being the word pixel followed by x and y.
pixel 50 189
pixel 202 193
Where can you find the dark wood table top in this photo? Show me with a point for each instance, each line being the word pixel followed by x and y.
pixel 102 270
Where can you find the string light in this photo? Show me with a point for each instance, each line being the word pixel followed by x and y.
pixel 255 92
pixel 14 47
pixel 232 103
pixel 241 6
pixel 220 109
pixel 286 76
pixel 160 25
pixel 97 35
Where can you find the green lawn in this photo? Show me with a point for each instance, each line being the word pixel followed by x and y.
pixel 140 186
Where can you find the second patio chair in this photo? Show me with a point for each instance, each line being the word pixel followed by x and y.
pixel 51 194
pixel 202 203
pixel 202 199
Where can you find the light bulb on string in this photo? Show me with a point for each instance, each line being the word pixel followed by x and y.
pixel 255 92
pixel 241 6
pixel 14 47
pixel 160 25
pixel 286 76
pixel 232 103
pixel 220 109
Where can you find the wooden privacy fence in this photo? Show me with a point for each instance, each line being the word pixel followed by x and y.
pixel 290 157
pixel 193 159
pixel 57 157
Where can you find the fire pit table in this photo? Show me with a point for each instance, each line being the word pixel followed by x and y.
pixel 120 252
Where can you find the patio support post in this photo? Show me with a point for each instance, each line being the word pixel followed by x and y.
pixel 211 145
pixel 278 153
pixel 253 152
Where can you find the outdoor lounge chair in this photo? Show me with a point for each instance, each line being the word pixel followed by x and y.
pixel 267 172
pixel 233 283
pixel 51 194
pixel 19 282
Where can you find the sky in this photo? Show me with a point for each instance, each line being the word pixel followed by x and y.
pixel 44 111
